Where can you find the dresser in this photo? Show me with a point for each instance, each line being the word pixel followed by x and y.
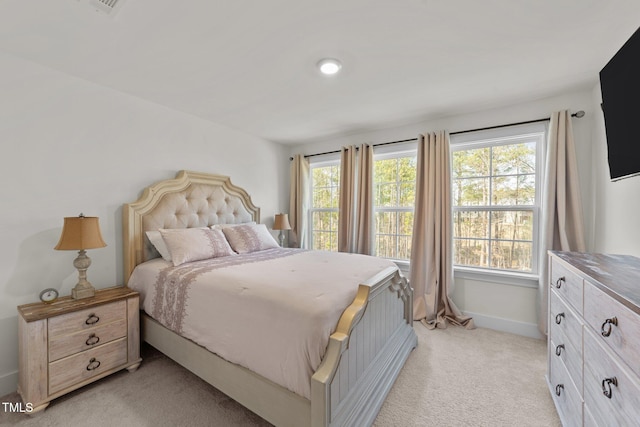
pixel 70 343
pixel 594 338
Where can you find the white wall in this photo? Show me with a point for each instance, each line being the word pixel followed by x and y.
pixel 508 307
pixel 69 146
pixel 615 204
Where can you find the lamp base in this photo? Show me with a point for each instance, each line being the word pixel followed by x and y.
pixel 83 288
pixel 80 293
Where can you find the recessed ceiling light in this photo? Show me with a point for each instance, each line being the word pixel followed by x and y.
pixel 329 66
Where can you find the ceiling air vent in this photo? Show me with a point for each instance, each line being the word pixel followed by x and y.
pixel 106 6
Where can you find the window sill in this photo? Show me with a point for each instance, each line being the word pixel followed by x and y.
pixel 501 277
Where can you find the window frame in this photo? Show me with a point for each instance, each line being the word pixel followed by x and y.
pixel 507 135
pixel 386 153
pixel 325 161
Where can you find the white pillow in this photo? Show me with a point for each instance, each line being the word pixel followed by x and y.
pixel 158 242
pixel 195 244
pixel 250 238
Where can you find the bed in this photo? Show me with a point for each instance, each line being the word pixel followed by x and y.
pixel 367 344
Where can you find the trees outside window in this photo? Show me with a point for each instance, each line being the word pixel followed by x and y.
pixel 394 177
pixel 496 202
pixel 323 214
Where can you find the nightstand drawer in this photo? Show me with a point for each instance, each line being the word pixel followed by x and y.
pixel 82 366
pixel 65 345
pixel 87 318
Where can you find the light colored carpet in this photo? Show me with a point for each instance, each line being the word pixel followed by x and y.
pixel 454 378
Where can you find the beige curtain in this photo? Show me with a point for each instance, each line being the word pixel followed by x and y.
pixel 562 222
pixel 299 201
pixel 364 210
pixel 346 217
pixel 431 251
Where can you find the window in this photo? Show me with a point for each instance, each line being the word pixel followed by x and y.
pixel 394 179
pixel 323 214
pixel 495 199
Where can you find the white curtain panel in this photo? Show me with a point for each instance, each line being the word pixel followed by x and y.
pixel 431 251
pixel 299 201
pixel 346 208
pixel 562 220
pixel 364 212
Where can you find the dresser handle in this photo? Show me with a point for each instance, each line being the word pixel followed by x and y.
pixel 559 317
pixel 92 340
pixel 559 349
pixel 93 364
pixel 605 330
pixel 559 389
pixel 559 282
pixel 606 386
pixel 92 319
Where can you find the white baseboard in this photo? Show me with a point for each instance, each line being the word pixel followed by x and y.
pixel 8 383
pixel 506 325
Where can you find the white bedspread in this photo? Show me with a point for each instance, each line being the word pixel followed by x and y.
pixel 270 311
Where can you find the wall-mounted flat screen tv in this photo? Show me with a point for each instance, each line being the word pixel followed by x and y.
pixel 620 86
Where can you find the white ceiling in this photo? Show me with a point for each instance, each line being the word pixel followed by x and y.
pixel 250 64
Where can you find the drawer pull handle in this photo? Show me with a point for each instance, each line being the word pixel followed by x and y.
pixel 559 389
pixel 605 330
pixel 606 386
pixel 92 319
pixel 559 282
pixel 92 340
pixel 559 317
pixel 559 349
pixel 93 364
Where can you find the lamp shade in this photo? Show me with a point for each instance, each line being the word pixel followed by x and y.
pixel 79 233
pixel 281 222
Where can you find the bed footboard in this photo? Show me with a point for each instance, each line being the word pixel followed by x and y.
pixel 365 354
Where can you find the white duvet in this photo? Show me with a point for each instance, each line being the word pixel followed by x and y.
pixel 270 311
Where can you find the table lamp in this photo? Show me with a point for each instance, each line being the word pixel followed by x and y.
pixel 281 222
pixel 80 233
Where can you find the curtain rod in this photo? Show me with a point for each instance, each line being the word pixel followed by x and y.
pixel 578 114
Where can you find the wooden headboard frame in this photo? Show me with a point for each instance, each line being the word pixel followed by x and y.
pixel 191 199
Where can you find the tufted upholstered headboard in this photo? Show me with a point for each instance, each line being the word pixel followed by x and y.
pixel 191 199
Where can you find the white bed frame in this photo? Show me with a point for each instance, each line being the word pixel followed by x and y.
pixel 371 343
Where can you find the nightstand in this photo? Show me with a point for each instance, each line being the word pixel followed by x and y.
pixel 70 343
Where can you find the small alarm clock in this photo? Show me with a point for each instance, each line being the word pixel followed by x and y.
pixel 49 295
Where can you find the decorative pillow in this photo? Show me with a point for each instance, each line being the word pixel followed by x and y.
pixel 158 242
pixel 195 244
pixel 221 226
pixel 249 238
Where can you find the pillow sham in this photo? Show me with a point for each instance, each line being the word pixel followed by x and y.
pixel 221 226
pixel 195 244
pixel 158 242
pixel 249 238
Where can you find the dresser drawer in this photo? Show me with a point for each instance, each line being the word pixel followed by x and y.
pixel 87 318
pixel 564 323
pixel 589 421
pixel 605 316
pixel 87 364
pixel 566 283
pixel 565 395
pixel 64 345
pixel 571 358
pixel 623 406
